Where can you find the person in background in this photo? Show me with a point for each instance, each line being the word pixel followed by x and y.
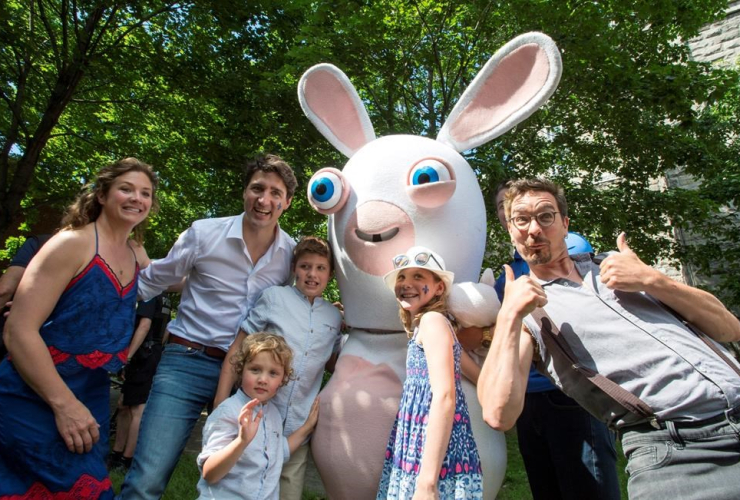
pixel 568 453
pixel 312 328
pixel 12 277
pixel 70 325
pixel 144 353
pixel 244 445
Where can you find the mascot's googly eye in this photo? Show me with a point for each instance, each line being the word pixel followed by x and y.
pixel 430 183
pixel 427 171
pixel 327 191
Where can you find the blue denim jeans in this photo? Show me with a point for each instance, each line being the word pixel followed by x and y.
pixel 568 454
pixel 684 463
pixel 184 384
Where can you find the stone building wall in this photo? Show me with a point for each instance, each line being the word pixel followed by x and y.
pixel 717 43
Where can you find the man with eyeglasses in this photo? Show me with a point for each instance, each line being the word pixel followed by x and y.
pixel 568 454
pixel 681 434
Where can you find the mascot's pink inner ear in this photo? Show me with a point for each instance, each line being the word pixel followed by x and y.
pixel 331 102
pixel 515 81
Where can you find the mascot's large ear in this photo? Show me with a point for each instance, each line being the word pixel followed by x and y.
pixel 517 80
pixel 331 102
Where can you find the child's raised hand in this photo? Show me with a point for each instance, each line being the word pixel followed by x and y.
pixel 249 422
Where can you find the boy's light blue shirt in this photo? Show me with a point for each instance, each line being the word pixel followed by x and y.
pixel 256 475
pixel 313 332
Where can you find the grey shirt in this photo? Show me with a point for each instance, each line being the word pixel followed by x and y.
pixel 633 340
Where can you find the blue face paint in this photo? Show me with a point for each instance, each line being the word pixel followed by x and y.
pixel 425 289
pixel 280 206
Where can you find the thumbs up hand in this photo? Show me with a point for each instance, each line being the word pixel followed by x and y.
pixel 625 271
pixel 522 295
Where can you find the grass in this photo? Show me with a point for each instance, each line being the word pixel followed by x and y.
pixel 181 485
pixel 515 487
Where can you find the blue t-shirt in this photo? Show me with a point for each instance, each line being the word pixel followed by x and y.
pixel 536 382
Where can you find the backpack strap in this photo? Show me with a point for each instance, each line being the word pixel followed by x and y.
pixel 597 259
pixel 703 337
pixel 556 343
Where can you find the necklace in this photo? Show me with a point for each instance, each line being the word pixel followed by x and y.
pixel 567 276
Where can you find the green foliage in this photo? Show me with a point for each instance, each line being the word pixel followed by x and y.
pixel 196 88
pixel 12 245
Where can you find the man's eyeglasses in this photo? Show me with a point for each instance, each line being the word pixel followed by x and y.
pixel 420 259
pixel 544 219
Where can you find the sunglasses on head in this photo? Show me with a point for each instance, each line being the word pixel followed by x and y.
pixel 420 259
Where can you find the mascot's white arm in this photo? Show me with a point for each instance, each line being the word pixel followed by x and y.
pixel 475 304
pixel 396 192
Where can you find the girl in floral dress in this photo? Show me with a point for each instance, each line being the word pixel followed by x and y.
pixel 431 451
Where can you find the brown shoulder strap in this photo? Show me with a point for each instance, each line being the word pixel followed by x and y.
pixel 704 338
pixel 556 343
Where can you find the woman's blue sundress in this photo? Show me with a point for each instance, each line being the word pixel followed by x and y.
pixel 460 475
pixel 87 335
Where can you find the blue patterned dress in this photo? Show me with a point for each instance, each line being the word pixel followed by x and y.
pixel 460 474
pixel 87 335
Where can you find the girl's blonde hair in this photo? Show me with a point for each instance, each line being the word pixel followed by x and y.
pixel 86 208
pixel 256 343
pixel 437 304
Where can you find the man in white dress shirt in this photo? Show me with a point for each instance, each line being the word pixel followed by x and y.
pixel 227 263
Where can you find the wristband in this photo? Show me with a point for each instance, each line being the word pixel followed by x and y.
pixel 487 338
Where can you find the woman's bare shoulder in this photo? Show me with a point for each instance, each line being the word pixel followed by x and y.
pixel 142 257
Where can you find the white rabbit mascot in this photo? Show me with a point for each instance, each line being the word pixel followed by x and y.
pixel 396 192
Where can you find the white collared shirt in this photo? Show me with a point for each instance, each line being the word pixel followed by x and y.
pixel 256 474
pixel 222 281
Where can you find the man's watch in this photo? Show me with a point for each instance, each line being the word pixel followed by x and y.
pixel 487 338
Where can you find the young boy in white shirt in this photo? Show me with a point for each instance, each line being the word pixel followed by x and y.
pixel 244 447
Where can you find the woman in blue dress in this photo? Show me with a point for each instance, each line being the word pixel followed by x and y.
pixel 70 324
pixel 431 453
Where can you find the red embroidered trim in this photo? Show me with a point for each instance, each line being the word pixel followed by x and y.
pixel 58 356
pixel 123 355
pixel 95 359
pixel 103 265
pixel 82 273
pixel 109 272
pixel 85 487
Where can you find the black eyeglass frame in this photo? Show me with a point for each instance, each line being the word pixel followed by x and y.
pixel 535 217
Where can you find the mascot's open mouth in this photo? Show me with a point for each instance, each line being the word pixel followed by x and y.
pixel 377 237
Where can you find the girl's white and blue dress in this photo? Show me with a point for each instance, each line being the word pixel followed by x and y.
pixel 256 475
pixel 460 475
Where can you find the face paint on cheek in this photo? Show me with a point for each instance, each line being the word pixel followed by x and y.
pixel 425 289
pixel 280 205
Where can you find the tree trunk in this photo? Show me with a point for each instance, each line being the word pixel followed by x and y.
pixel 67 82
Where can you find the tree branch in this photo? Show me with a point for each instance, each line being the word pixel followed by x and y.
pixel 59 62
pixel 168 8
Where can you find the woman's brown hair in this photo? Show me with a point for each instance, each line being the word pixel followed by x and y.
pixel 86 208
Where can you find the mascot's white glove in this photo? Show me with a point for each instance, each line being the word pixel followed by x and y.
pixel 475 304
